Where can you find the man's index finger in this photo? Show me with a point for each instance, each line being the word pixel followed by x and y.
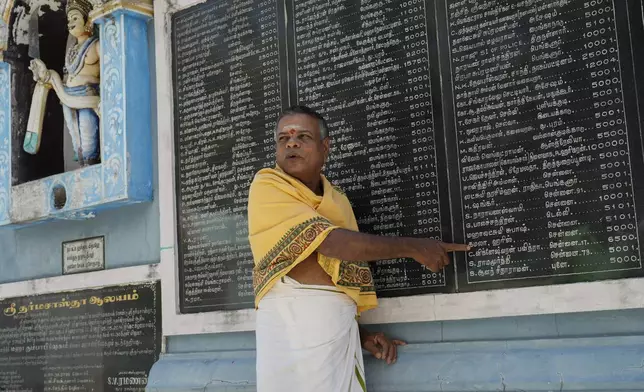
pixel 456 247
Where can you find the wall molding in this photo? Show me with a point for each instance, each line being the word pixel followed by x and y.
pixel 89 280
pixel 597 364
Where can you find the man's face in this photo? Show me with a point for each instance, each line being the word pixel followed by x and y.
pixel 301 152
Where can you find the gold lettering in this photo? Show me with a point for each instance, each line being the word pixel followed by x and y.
pixel 10 311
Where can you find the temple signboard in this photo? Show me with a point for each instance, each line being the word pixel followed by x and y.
pixel 103 339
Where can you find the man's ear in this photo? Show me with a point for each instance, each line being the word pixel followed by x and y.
pixel 327 146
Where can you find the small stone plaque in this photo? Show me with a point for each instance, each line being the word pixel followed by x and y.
pixel 84 255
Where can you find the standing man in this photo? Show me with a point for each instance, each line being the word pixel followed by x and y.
pixel 311 274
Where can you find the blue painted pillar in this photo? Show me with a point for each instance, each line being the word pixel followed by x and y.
pixel 125 103
pixel 5 142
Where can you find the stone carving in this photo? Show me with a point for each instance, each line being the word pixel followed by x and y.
pixel 5 13
pixel 78 91
pixel 114 100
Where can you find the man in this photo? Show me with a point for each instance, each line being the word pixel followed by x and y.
pixel 311 274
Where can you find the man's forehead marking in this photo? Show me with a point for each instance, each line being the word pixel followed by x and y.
pixel 292 128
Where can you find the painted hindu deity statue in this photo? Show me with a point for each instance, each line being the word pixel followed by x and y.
pixel 78 91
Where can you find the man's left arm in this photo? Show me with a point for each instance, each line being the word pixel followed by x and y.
pixel 380 346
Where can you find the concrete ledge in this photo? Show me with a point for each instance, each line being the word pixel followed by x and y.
pixel 207 372
pixel 575 364
pixel 95 279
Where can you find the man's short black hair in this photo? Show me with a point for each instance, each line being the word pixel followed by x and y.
pixel 301 109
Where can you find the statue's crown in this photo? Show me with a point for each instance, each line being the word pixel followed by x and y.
pixel 83 6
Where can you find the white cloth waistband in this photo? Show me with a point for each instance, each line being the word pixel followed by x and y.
pixel 287 287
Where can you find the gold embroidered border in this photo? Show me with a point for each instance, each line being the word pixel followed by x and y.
pixel 356 275
pixel 287 250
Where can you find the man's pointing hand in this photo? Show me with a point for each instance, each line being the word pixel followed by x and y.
pixel 433 253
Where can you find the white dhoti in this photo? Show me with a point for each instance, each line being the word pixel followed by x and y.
pixel 308 340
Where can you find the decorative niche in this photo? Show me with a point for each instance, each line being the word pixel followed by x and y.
pixel 75 133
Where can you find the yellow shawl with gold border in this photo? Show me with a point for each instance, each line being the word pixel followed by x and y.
pixel 286 224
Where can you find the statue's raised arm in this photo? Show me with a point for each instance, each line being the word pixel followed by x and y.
pixel 78 90
pixel 51 79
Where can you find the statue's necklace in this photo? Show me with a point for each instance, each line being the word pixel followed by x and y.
pixel 71 56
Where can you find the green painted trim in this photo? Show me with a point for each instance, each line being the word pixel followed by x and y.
pixel 361 380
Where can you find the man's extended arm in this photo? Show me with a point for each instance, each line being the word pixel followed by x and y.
pixel 354 246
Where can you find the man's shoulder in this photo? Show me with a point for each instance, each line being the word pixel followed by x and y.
pixel 341 193
pixel 273 179
pixel 268 175
pixel 338 189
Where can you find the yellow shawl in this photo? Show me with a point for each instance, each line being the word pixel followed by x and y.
pixel 286 224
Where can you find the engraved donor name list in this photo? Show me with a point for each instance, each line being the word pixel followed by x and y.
pixel 510 125
pixel 228 95
pixel 366 65
pixel 94 340
pixel 543 140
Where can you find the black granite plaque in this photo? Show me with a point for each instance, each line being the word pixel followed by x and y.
pixel 366 67
pixel 513 126
pixel 546 144
pixel 227 98
pixel 93 340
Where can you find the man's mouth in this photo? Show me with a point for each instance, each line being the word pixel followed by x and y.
pixel 293 155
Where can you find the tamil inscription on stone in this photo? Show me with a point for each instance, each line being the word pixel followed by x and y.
pixel 504 124
pixel 103 339
pixel 543 141
pixel 366 67
pixel 227 98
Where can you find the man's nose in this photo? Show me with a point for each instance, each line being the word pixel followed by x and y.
pixel 292 142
